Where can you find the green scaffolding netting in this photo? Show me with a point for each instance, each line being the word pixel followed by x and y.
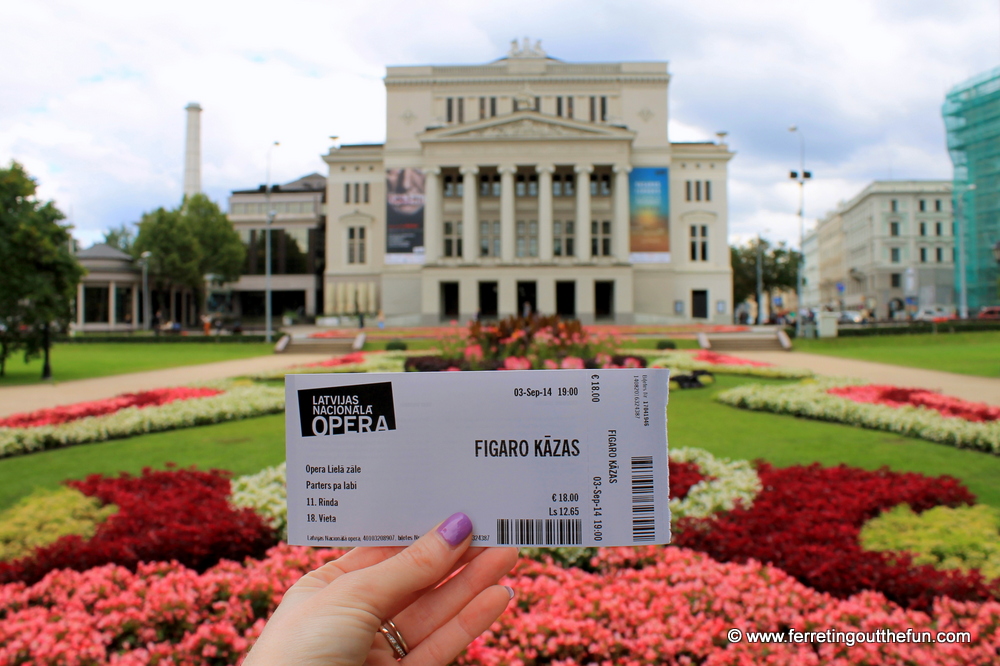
pixel 972 119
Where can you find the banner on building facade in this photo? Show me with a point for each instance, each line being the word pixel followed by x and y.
pixel 649 214
pixel 404 216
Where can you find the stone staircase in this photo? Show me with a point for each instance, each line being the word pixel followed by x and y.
pixel 307 345
pixel 771 339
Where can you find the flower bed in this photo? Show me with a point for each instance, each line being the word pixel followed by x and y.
pixel 265 493
pixel 237 401
pixel 180 515
pixel 352 362
pixel 894 396
pixel 722 364
pixel 812 399
pixel 80 410
pixel 724 484
pixel 44 516
pixel 806 521
pixel 642 606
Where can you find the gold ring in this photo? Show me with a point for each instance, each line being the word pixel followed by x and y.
pixel 394 639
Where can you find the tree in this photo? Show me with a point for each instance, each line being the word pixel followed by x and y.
pixel 189 242
pixel 780 268
pixel 40 274
pixel 121 237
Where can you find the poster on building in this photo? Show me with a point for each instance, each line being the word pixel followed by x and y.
pixel 404 216
pixel 649 214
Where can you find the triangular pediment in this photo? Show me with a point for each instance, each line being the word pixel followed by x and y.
pixel 525 125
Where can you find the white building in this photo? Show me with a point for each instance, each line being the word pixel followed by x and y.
pixel 529 183
pixel 889 228
pixel 810 270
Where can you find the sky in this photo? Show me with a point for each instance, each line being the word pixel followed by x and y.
pixel 92 94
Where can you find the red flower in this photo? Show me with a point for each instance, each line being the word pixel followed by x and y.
pixel 894 396
pixel 346 359
pixel 714 358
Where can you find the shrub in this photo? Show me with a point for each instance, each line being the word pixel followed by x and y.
pixel 395 345
pixel 44 516
pixel 666 344
pixel 806 521
pixel 964 538
pixel 180 515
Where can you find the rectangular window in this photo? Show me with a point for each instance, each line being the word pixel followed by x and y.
pixel 894 255
pixel 939 254
pixel 532 186
pixel 123 305
pixel 519 190
pixel 347 193
pixel 527 238
pixel 452 239
pixel 923 206
pixel 355 245
pixel 449 116
pixel 482 108
pixel 937 205
pixel 538 104
pixel 357 192
pixel 562 238
pixel 493 107
pixel 923 228
pixel 569 186
pixel 449 186
pixel 557 185
pixel 489 238
pixel 593 108
pixel 95 305
pixel 697 190
pixel 559 106
pixel 600 238
pixel 593 184
pixel 687 191
pixel 708 190
pixel 605 189
pixel 484 186
pixel 461 109
pixel 366 192
pixel 896 280
pixel 937 228
pixel 894 205
pixel 923 255
pixel 894 228
pixel 604 109
pixel 569 107
pixel 514 105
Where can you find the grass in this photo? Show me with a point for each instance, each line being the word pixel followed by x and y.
pixel 695 419
pixel 964 353
pixel 83 361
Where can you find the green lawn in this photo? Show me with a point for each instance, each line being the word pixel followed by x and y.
pixel 694 420
pixel 964 353
pixel 85 360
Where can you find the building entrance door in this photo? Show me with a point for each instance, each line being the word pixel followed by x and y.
pixel 604 299
pixel 526 298
pixel 449 300
pixel 488 299
pixel 699 304
pixel 566 299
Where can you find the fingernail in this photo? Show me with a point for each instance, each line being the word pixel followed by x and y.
pixel 510 590
pixel 455 528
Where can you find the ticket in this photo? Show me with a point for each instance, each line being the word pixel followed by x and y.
pixel 535 458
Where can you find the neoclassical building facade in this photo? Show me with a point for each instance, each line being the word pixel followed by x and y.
pixel 529 184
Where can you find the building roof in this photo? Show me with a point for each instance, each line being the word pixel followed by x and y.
pixel 103 251
pixel 314 182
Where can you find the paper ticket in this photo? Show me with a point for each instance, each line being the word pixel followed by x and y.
pixel 535 458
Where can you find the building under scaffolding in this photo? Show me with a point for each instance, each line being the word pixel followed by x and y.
pixel 972 120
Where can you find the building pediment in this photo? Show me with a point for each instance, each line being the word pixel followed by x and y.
pixel 525 126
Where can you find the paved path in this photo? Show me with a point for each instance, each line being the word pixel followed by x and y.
pixel 14 399
pixel 967 387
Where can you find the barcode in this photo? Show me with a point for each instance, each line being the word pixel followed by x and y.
pixel 539 531
pixel 643 505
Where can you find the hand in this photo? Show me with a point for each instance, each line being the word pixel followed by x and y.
pixel 332 615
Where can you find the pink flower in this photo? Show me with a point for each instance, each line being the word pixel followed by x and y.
pixel 714 358
pixel 572 363
pixel 550 364
pixel 516 363
pixel 473 353
pixel 894 396
pixel 453 369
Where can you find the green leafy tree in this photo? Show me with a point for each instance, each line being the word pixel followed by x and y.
pixel 121 237
pixel 189 242
pixel 780 265
pixel 40 274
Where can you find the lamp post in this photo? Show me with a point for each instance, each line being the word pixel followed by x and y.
pixel 800 176
pixel 267 245
pixel 963 286
pixel 144 258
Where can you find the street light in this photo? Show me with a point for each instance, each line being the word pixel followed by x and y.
pixel 267 245
pixel 800 176
pixel 963 287
pixel 144 260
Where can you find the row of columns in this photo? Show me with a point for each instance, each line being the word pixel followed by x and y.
pixel 112 304
pixel 470 213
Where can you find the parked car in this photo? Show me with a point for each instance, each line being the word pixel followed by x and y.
pixel 933 314
pixel 989 312
pixel 851 317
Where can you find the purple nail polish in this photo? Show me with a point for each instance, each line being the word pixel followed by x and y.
pixel 455 528
pixel 510 591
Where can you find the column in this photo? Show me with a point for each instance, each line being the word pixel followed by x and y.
pixel 621 239
pixel 135 306
pixel 111 305
pixel 507 231
pixel 432 214
pixel 311 301
pixel 545 211
pixel 583 216
pixel 79 305
pixel 470 214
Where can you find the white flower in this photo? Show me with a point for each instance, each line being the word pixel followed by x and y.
pixel 264 492
pixel 734 480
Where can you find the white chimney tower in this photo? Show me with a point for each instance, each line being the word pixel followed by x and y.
pixel 192 151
